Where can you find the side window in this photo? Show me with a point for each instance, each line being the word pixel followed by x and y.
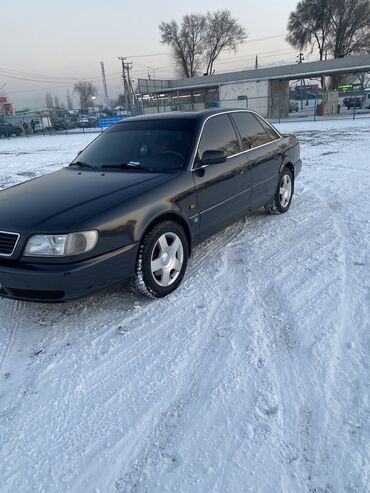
pixel 272 134
pixel 218 134
pixel 252 132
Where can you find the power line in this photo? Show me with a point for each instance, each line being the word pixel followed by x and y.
pixel 137 73
pixel 274 36
pixel 38 89
pixel 32 74
pixel 51 79
pixel 237 61
pixel 252 40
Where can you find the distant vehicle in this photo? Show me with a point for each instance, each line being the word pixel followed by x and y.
pixel 59 125
pixel 133 204
pixel 84 123
pixel 62 124
pixel 38 126
pixel 7 129
pixel 87 122
pixel 306 94
pixel 350 102
pixel 367 99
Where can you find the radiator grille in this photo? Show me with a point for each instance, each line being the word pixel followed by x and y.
pixel 8 242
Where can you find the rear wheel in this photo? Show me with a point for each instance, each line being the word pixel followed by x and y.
pixel 162 260
pixel 283 195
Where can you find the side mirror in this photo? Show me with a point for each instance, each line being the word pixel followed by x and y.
pixel 79 152
pixel 213 157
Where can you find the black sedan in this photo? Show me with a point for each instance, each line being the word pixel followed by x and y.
pixel 133 204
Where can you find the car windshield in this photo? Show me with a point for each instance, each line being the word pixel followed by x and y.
pixel 154 145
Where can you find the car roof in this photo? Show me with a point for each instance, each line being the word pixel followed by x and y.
pixel 192 115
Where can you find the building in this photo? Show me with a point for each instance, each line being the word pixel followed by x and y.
pixel 265 90
pixel 6 108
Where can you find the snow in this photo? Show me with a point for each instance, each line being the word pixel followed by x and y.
pixel 253 376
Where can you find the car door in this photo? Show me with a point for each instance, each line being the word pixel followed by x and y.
pixel 264 149
pixel 223 190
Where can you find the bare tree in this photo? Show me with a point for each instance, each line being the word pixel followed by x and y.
pixel 49 100
pixel 309 25
pixel 200 39
pixel 350 24
pixel 56 102
pixel 86 90
pixel 339 27
pixel 186 42
pixel 223 33
pixel 193 29
pixel 363 79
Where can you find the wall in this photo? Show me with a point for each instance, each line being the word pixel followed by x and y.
pixel 279 99
pixel 255 94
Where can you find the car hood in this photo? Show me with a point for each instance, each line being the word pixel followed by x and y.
pixel 69 197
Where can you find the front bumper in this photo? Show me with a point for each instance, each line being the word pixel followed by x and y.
pixel 61 282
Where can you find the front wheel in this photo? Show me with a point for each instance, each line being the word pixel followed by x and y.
pixel 284 193
pixel 162 260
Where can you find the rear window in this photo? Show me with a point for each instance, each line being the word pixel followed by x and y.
pixel 158 145
pixel 254 131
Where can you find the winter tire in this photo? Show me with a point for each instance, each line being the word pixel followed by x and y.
pixel 283 195
pixel 162 260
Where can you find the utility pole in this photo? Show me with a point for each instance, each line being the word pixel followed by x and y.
pixel 106 98
pixel 129 80
pixel 69 101
pixel 153 70
pixel 1 89
pixel 128 92
pixel 300 59
pixel 256 63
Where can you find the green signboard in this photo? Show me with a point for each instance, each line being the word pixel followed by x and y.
pixel 349 87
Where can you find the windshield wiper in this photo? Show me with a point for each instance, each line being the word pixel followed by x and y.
pixel 80 164
pixel 129 165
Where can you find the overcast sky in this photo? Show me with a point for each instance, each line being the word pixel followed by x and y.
pixel 59 41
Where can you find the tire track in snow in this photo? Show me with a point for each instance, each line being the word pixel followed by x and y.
pixel 140 337
pixel 277 316
pixel 103 382
pixel 9 326
pixel 156 450
pixel 344 326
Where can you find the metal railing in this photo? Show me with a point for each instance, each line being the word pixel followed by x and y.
pixel 311 106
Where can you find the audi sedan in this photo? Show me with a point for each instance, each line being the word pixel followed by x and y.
pixel 132 205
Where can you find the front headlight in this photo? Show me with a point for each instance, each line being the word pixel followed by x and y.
pixel 61 245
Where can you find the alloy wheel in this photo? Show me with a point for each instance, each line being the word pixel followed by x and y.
pixel 285 192
pixel 167 259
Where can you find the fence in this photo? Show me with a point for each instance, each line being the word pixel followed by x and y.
pixel 305 106
pixel 295 106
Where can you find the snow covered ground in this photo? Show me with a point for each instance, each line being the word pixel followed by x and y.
pixel 253 377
